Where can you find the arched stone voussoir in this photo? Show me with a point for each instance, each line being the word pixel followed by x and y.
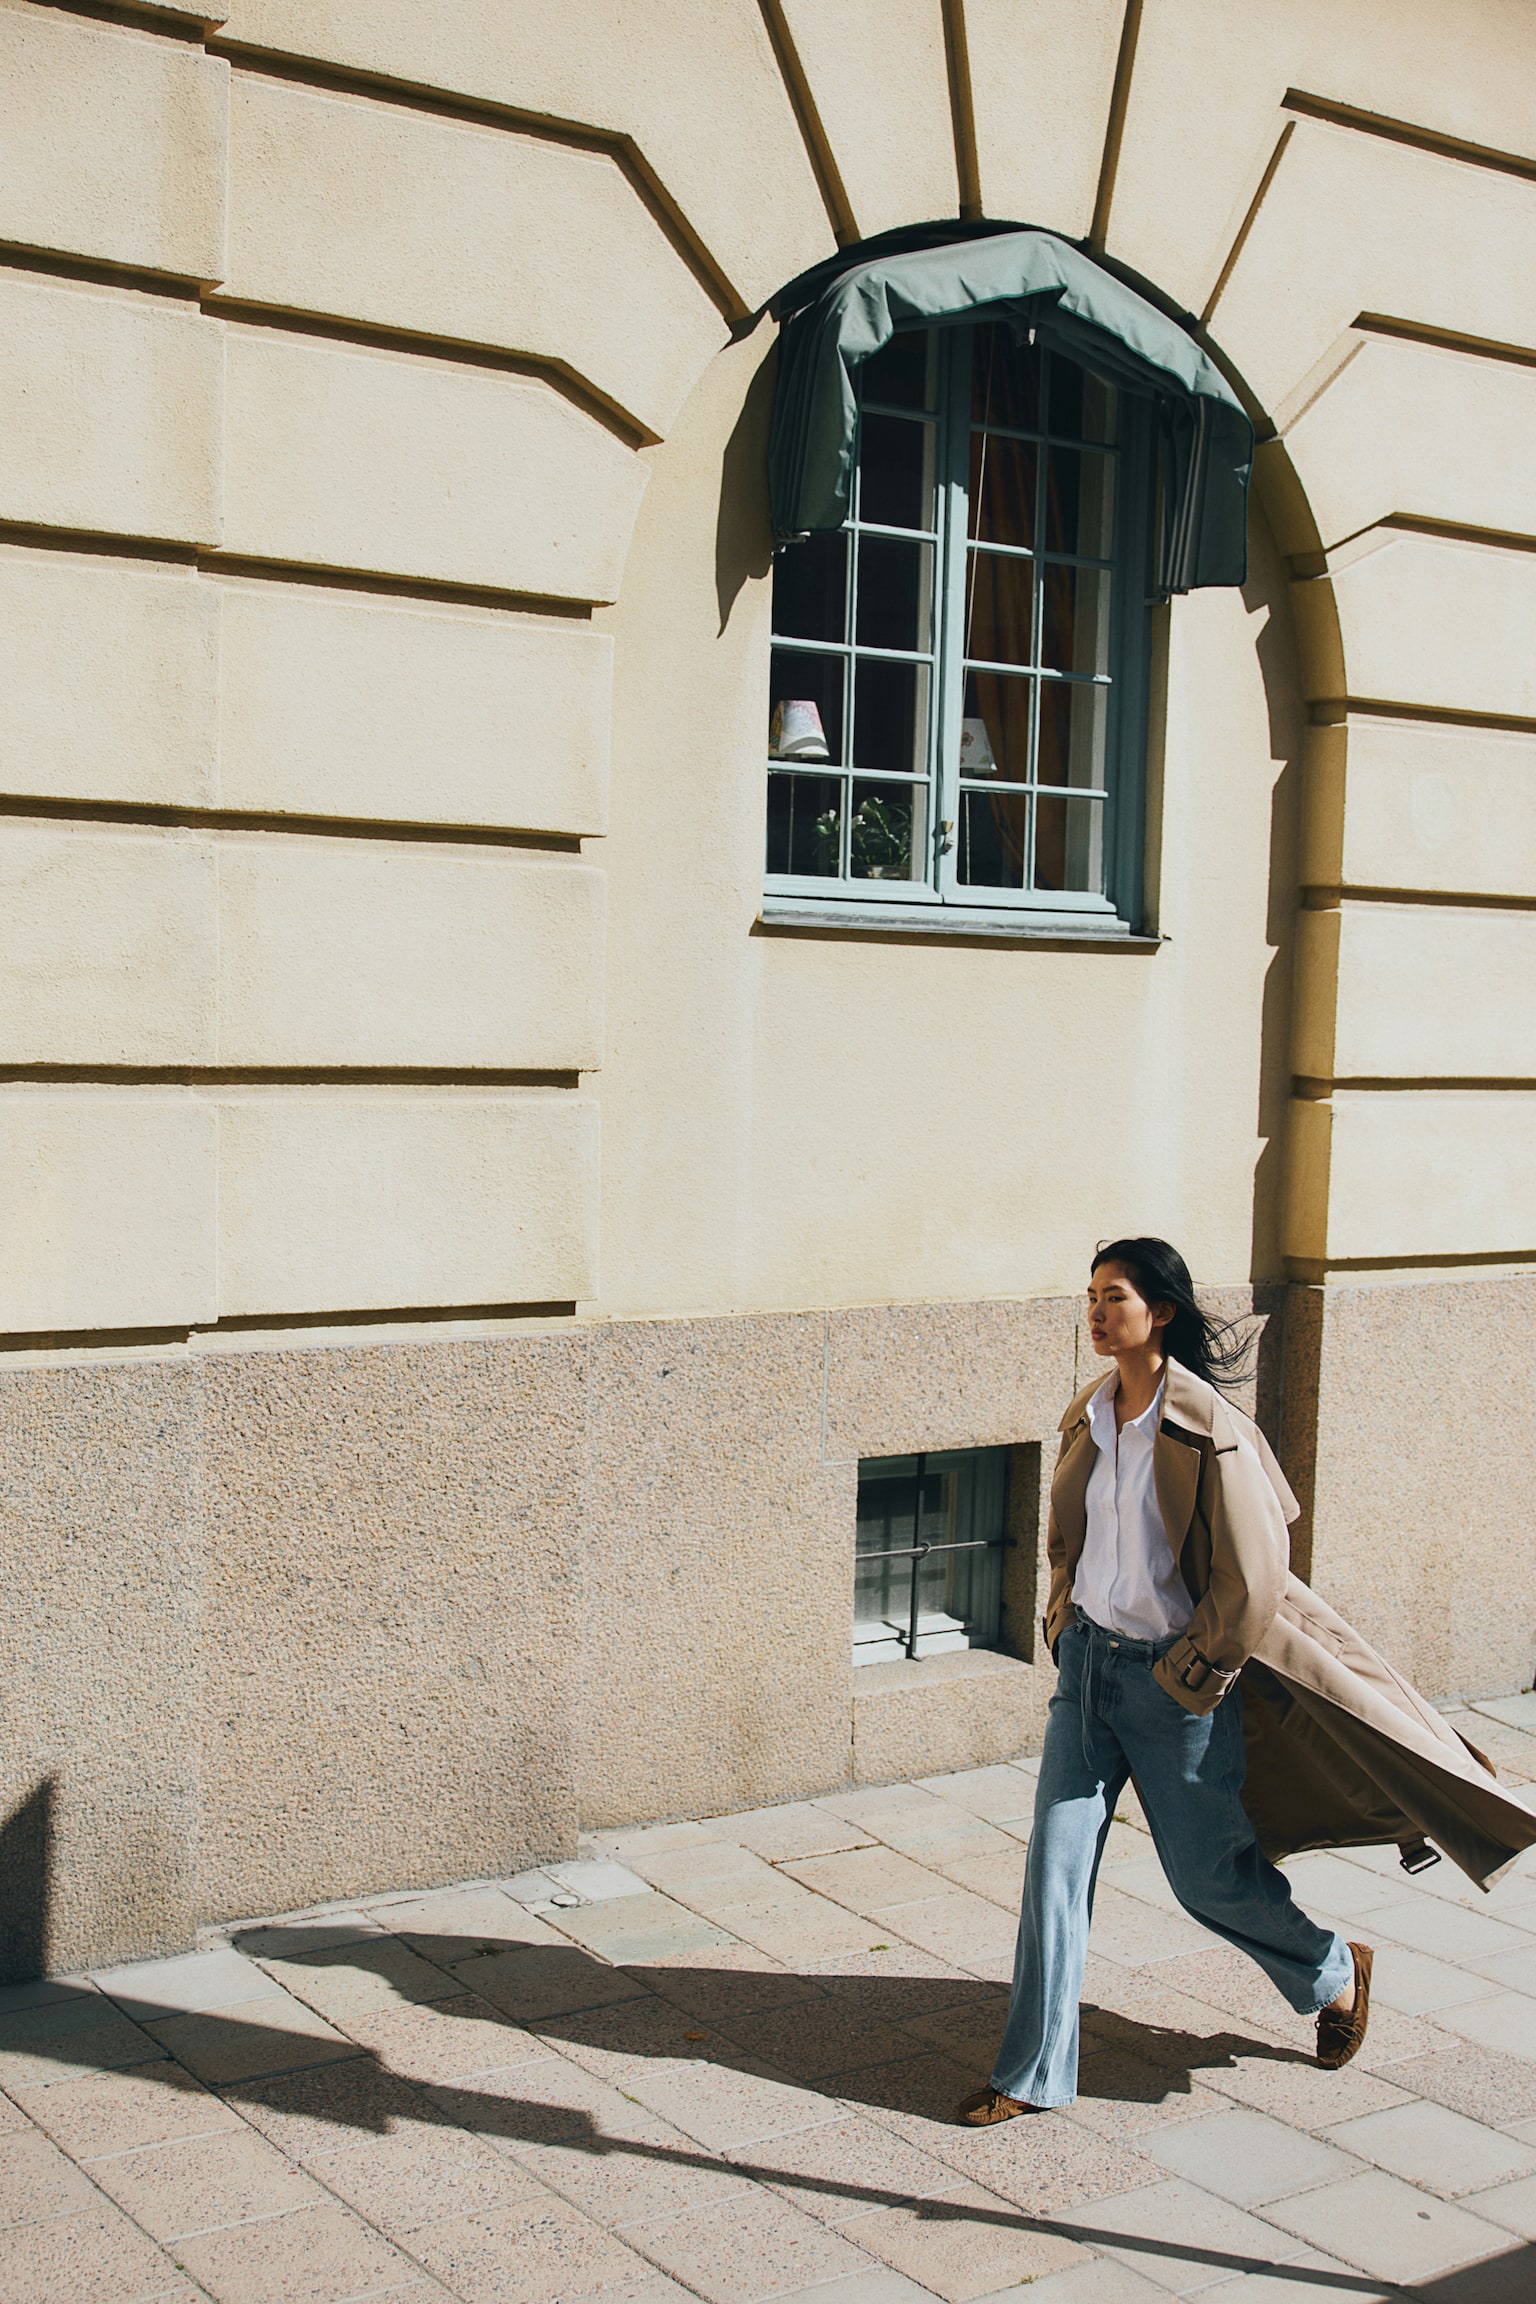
pixel 1428 623
pixel 694 97
pixel 1352 224
pixel 466 233
pixel 1416 431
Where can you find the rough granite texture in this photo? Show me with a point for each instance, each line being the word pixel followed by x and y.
pixel 100 1662
pixel 964 1710
pixel 717 1565
pixel 283 1626
pixel 1422 1471
pixel 389 1604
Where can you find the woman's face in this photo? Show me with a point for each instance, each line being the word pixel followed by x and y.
pixel 1119 1317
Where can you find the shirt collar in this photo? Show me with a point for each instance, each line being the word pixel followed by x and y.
pixel 1101 1409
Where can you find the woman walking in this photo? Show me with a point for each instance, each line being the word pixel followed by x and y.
pixel 1150 1629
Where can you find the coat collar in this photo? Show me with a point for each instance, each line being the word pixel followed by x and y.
pixel 1188 1402
pixel 1192 1411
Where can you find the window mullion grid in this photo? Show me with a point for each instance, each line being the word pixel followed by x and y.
pixel 850 610
pixel 950 632
pixel 946 659
pixel 1037 630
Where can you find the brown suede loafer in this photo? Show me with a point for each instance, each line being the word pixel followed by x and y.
pixel 1339 2037
pixel 984 2107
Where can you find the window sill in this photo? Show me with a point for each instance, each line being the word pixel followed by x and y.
pixel 954 1664
pixel 794 916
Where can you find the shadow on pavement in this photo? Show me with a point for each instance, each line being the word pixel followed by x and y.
pixel 891 2042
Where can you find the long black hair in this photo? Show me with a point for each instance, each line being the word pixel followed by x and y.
pixel 1216 1350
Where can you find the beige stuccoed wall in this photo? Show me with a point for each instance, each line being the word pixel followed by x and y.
pixel 109 686
pixel 112 405
pixel 371 212
pixel 890 133
pixel 110 145
pixel 1395 1177
pixel 494 480
pixel 1399 976
pixel 1054 67
pixel 1187 172
pixel 347 707
pixel 1400 804
pixel 1445 455
pixel 792 1118
pixel 112 1209
pixel 699 99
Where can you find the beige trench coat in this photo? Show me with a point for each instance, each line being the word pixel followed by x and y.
pixel 1342 1753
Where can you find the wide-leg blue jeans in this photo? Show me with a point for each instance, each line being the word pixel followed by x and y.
pixel 1109 1720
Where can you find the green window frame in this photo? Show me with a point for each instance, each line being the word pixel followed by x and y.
pixel 958 711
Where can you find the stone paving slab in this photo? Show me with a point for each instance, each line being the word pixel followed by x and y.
pixel 716 2059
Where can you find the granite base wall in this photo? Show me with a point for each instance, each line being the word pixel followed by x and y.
pixel 717 1537
pixel 1409 1431
pixel 101 1664
pixel 281 1626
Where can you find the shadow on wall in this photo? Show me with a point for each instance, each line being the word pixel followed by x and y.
pixel 26 1871
pixel 743 531
pixel 1267 593
pixel 905 2044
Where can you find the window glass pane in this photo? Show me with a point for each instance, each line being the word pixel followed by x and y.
pixel 957 1499
pixel 1002 490
pixel 1079 501
pixel 1074 619
pixel 805 824
pixel 887 833
pixel 1077 403
pixel 1005 379
pixel 890 716
pixel 894 1511
pixel 870 626
pixel 1069 844
pixel 805 706
pixel 1072 724
pixel 1001 609
pixel 901 374
pixel 896 472
pixel 993 843
pixel 895 593
pixel 994 732
pixel 809 589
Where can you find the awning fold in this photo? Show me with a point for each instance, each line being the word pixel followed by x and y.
pixel 1036 282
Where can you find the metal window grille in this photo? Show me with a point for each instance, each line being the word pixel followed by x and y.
pixel 928 1553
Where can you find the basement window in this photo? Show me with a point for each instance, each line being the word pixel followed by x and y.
pixel 928 1570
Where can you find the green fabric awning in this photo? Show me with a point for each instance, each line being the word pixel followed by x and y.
pixel 1035 281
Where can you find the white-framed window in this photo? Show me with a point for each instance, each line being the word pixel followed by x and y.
pixel 928 1553
pixel 957 714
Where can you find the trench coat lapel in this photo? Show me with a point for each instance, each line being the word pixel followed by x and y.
pixel 1176 1473
pixel 1188 1415
pixel 1069 1492
pixel 1192 1414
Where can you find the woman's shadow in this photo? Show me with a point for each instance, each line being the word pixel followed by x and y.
pixel 907 2044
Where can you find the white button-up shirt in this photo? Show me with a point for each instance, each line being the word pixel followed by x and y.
pixel 1127 1578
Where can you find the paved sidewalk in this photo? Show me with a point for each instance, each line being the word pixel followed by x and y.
pixel 714 2060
